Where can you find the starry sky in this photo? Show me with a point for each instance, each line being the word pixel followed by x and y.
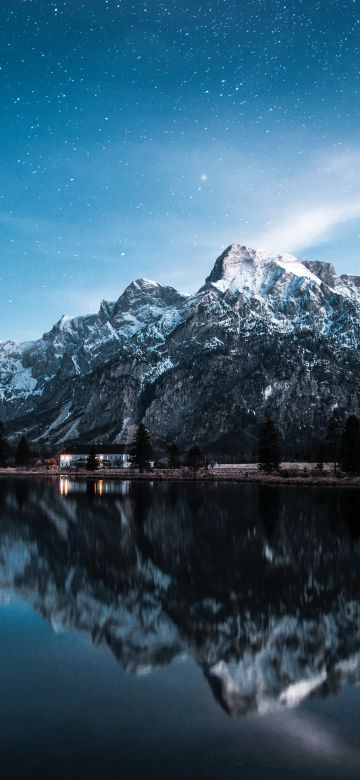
pixel 141 138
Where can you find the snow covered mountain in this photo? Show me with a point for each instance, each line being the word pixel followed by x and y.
pixel 265 334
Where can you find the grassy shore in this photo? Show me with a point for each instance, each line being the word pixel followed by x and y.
pixel 232 474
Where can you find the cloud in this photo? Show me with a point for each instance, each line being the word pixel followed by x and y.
pixel 313 203
pixel 302 228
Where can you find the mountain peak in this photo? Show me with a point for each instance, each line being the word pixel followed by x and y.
pixel 64 324
pixel 229 261
pixel 242 266
pixel 143 283
pixel 65 320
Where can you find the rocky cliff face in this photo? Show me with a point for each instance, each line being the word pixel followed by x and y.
pixel 266 334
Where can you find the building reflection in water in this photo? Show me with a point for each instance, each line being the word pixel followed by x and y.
pixel 98 487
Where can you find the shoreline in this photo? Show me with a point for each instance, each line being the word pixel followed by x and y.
pixel 179 475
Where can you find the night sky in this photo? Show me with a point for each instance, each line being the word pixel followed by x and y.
pixel 140 138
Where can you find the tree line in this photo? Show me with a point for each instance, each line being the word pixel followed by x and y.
pixel 21 454
pixel 339 446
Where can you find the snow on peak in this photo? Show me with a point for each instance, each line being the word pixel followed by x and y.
pixel 148 282
pixel 142 283
pixel 242 267
pixel 65 322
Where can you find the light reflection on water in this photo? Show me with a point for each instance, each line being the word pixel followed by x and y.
pixel 97 486
pixel 258 587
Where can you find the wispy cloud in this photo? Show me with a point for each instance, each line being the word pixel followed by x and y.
pixel 317 201
pixel 302 228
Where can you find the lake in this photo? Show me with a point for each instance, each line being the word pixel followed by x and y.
pixel 157 630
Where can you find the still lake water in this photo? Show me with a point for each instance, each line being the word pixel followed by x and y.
pixel 179 630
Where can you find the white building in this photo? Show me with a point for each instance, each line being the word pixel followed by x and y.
pixel 106 460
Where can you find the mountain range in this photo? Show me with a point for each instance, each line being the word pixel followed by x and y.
pixel 265 335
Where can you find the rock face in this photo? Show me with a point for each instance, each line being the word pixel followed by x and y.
pixel 266 334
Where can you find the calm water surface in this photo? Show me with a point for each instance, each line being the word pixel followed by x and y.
pixel 169 630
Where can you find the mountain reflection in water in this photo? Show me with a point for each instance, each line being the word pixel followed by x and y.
pixel 259 585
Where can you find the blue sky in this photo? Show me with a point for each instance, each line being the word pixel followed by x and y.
pixel 139 139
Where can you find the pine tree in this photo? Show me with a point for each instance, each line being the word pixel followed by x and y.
pixel 173 456
pixel 332 440
pixel 92 462
pixel 4 447
pixel 142 448
pixel 269 447
pixel 350 446
pixel 195 458
pixel 22 453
